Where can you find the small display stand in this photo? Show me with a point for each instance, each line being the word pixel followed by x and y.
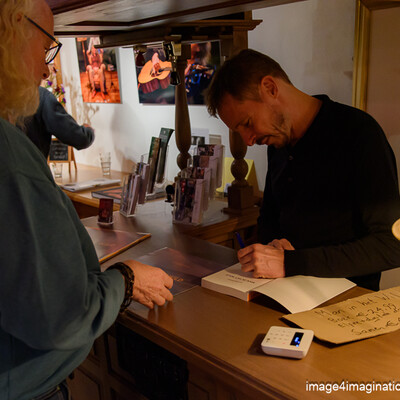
pixel 61 153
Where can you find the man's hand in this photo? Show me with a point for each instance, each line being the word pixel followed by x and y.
pixel 264 260
pixel 281 244
pixel 151 284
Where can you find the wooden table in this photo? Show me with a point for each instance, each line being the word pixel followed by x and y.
pixel 85 204
pixel 219 339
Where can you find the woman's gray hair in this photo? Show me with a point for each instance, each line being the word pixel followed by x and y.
pixel 18 90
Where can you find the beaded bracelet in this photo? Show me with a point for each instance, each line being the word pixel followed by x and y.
pixel 129 278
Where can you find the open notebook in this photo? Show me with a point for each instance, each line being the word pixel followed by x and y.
pixel 295 293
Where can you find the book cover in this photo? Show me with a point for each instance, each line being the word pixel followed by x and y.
pixel 204 174
pixel 188 202
pixel 133 193
pixel 144 173
pixel 110 193
pixel 186 270
pixel 153 161
pixel 130 194
pixel 165 135
pixel 110 242
pixel 216 151
pixel 211 162
pixel 295 293
pixel 198 207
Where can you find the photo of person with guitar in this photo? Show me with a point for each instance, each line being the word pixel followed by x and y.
pixel 198 72
pixel 154 71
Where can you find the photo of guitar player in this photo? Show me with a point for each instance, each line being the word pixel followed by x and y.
pixel 153 73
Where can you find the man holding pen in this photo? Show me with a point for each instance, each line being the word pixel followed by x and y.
pixel 331 194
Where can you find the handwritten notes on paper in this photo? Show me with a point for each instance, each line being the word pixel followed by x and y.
pixel 362 317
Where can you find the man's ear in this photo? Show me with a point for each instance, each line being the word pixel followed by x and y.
pixel 268 87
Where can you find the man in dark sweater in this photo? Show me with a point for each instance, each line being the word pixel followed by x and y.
pixel 331 193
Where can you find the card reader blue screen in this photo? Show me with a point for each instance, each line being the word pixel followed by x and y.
pixel 296 339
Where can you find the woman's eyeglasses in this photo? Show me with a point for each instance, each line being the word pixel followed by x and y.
pixel 52 51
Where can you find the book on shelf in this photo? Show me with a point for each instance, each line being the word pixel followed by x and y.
pixel 98 182
pixel 211 163
pixel 153 161
pixel 132 195
pixel 200 172
pixel 188 201
pixel 295 293
pixel 215 152
pixel 110 242
pixel 143 170
pixel 186 270
pixel 205 174
pixel 165 135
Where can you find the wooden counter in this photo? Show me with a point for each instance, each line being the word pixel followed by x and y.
pixel 218 339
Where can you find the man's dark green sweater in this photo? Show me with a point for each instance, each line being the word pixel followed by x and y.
pixel 54 301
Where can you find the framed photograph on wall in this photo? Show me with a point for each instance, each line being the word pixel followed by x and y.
pixel 98 72
pixel 153 73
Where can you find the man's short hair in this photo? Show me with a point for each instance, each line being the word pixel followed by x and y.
pixel 240 76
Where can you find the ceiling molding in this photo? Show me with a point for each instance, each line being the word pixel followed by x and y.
pixel 90 17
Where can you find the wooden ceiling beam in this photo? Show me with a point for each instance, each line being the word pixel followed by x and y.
pixel 72 17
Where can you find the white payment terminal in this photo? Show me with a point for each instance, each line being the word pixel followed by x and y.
pixel 287 342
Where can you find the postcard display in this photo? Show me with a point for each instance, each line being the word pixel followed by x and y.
pixel 148 177
pixel 198 183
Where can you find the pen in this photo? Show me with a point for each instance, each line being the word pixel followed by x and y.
pixel 239 239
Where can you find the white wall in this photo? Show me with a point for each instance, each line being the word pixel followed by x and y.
pixel 312 40
pixel 383 89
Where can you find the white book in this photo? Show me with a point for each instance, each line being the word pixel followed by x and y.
pixel 296 293
pixel 98 182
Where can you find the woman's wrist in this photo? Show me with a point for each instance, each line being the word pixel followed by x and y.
pixel 129 278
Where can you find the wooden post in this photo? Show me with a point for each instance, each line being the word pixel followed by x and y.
pixel 182 121
pixel 240 193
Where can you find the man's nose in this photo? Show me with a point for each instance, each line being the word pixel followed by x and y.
pixel 249 138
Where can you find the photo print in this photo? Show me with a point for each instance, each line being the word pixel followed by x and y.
pixel 153 73
pixel 98 72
